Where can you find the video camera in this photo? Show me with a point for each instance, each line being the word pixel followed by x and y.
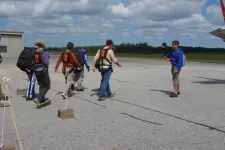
pixel 165 48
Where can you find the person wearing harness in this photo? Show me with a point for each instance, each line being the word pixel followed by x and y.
pixel 79 74
pixel 176 58
pixel 69 60
pixel 105 56
pixel 41 61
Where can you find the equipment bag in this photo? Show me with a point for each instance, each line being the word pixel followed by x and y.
pixel 66 57
pixel 26 58
pixel 102 56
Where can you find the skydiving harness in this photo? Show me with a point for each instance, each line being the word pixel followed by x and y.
pixel 38 61
pixel 102 55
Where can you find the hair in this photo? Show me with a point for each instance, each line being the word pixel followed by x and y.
pixel 40 43
pixel 176 42
pixel 109 42
pixel 69 45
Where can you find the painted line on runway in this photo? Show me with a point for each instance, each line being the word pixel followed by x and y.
pixel 200 124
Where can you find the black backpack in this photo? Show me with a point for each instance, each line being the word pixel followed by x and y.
pixel 79 56
pixel 26 58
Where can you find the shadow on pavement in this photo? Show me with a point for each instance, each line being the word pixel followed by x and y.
pixel 210 81
pixel 163 91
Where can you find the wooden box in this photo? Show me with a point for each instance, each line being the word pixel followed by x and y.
pixel 65 113
pixel 8 148
pixel 21 92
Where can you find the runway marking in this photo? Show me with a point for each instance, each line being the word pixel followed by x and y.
pixel 210 127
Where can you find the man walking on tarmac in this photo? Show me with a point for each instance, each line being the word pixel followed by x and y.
pixel 176 57
pixel 106 57
pixel 69 60
pixel 41 61
pixel 79 74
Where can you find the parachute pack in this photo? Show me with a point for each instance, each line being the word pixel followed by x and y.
pixel 37 57
pixel 25 59
pixel 102 56
pixel 79 56
pixel 66 57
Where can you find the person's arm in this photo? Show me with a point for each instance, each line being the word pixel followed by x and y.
pixel 168 55
pixel 75 60
pixel 86 61
pixel 45 58
pixel 180 60
pixel 111 53
pixel 58 62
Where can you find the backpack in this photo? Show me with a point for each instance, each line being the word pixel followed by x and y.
pixel 102 56
pixel 79 56
pixel 66 57
pixel 25 59
pixel 37 57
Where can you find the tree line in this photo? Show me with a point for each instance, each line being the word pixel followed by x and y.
pixel 141 48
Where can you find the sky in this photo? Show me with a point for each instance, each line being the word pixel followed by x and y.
pixel 92 22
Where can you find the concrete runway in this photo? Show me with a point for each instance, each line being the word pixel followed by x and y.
pixel 140 117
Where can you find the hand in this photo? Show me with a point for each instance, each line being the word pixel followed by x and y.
pixel 55 70
pixel 93 69
pixel 175 70
pixel 118 65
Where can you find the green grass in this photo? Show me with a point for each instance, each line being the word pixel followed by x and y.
pixel 191 57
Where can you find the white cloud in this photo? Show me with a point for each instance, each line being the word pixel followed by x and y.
pixel 215 14
pixel 151 19
pixel 157 10
pixel 41 8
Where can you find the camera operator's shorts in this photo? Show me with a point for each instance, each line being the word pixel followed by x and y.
pixel 175 77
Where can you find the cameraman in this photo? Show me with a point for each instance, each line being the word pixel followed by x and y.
pixel 176 58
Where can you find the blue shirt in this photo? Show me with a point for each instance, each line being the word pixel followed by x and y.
pixel 175 57
pixel 44 60
pixel 84 59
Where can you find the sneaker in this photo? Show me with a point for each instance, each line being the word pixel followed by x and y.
pixel 64 96
pixel 37 101
pixel 173 95
pixel 72 87
pixel 101 99
pixel 80 90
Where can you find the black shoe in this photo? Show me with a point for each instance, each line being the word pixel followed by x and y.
pixel 80 89
pixel 173 95
pixel 28 99
pixel 178 93
pixel 72 87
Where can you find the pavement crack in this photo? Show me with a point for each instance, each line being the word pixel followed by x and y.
pixel 140 119
pixel 142 85
pixel 90 101
pixel 197 123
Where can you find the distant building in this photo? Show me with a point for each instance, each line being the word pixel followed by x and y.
pixel 11 43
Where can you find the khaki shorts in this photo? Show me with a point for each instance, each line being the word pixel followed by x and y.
pixel 175 77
